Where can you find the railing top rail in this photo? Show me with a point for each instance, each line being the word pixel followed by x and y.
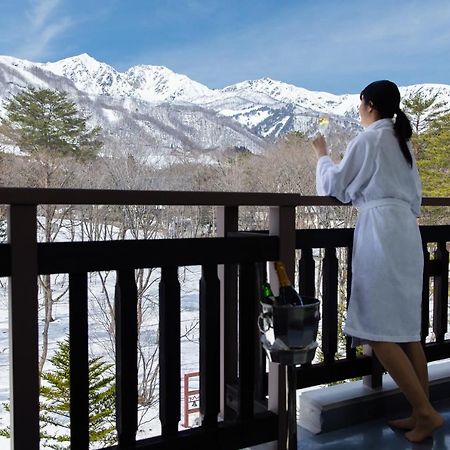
pixel 35 196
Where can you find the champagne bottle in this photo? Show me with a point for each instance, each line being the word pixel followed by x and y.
pixel 288 295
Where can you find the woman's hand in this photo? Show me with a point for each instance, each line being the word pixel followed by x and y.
pixel 320 146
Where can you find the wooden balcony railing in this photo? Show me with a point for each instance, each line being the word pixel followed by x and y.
pixel 233 378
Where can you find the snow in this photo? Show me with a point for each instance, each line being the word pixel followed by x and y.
pixel 251 112
pixel 99 340
pixel 99 343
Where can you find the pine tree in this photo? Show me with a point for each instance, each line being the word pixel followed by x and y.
pixel 434 163
pixel 48 127
pixel 422 110
pixel 55 402
pixel 46 121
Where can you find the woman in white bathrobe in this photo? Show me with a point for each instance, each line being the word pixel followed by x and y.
pixel 379 176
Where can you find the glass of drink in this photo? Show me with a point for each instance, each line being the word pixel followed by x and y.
pixel 324 122
pixel 324 128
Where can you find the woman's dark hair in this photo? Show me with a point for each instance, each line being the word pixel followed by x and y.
pixel 385 98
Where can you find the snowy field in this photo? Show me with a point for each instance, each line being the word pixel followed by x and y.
pixel 100 341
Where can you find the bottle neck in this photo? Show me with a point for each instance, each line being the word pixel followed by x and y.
pixel 282 275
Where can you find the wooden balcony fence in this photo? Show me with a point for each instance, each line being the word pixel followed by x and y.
pixel 233 378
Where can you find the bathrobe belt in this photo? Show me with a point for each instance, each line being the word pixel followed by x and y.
pixel 383 202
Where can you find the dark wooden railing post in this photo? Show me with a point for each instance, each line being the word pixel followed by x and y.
pixel 306 273
pixel 330 305
pixel 375 379
pixel 425 320
pixel 23 328
pixel 282 224
pixel 209 345
pixel 349 350
pixel 227 222
pixel 126 357
pixel 79 361
pixel 440 294
pixel 169 351
pixel 247 349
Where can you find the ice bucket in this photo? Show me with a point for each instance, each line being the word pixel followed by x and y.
pixel 296 325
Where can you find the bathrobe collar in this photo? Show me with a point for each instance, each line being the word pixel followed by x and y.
pixel 381 123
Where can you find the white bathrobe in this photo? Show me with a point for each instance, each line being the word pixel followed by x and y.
pixel 387 263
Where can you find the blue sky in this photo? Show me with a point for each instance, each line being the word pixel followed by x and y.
pixel 337 46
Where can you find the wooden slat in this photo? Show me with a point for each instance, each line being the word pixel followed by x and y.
pixel 126 357
pixel 440 294
pixel 375 379
pixel 23 328
pixel 247 330
pixel 226 436
pixel 342 369
pixel 5 260
pixel 169 351
pixel 435 233
pixel 282 224
pixel 436 350
pixel 227 222
pixel 349 351
pixel 79 362
pixel 209 345
pixel 306 273
pixel 338 237
pixel 67 257
pixel 425 315
pixel 260 354
pixel 330 304
pixel 33 196
pixel 27 196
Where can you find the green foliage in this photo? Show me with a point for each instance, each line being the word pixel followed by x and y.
pixel 422 111
pixel 434 167
pixel 55 402
pixel 434 163
pixel 44 120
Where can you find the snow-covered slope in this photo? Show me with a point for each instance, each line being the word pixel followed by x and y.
pixel 153 107
pixel 131 122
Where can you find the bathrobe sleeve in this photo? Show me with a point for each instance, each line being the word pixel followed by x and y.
pixel 348 178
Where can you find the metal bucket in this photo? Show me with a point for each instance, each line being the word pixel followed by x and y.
pixel 297 325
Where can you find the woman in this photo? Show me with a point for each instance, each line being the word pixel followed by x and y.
pixel 379 176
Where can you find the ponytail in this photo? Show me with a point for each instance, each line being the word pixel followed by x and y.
pixel 403 132
pixel 385 97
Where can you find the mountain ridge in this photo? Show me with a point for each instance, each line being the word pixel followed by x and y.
pixel 168 110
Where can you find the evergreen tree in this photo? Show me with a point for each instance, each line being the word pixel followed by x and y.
pixel 434 163
pixel 55 402
pixel 47 126
pixel 421 110
pixel 46 121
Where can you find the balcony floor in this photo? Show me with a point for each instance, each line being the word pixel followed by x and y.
pixel 372 435
pixel 376 435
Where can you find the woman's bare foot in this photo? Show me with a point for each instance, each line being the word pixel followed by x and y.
pixel 425 426
pixel 407 423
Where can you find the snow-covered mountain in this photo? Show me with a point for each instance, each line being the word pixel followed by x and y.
pixel 131 122
pixel 165 112
pixel 154 84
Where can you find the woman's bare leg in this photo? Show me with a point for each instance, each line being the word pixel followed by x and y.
pixel 416 355
pixel 397 363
